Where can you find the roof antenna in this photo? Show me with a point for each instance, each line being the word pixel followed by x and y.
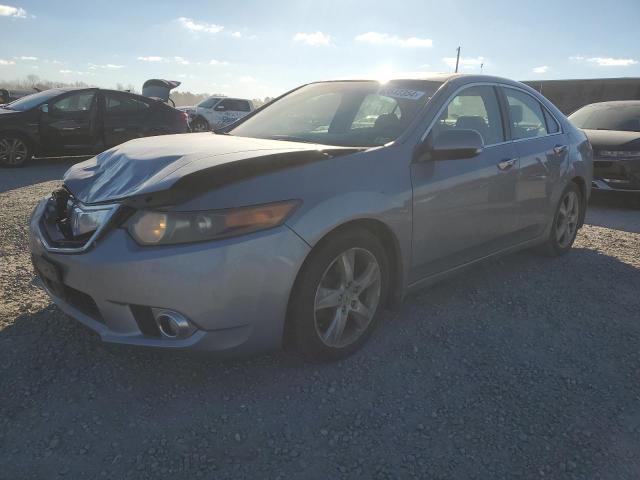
pixel 457 59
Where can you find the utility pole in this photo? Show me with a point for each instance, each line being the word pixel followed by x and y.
pixel 481 67
pixel 457 59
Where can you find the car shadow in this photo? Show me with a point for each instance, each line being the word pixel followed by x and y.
pixel 36 171
pixel 618 211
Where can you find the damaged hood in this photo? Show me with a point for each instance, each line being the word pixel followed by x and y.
pixel 188 162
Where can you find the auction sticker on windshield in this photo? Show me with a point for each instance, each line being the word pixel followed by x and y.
pixel 401 93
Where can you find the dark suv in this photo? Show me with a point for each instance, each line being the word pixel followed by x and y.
pixel 65 121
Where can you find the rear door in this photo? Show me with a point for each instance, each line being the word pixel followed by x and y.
pixel 465 209
pixel 541 147
pixel 70 126
pixel 125 117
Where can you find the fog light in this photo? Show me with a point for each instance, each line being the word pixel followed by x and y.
pixel 172 324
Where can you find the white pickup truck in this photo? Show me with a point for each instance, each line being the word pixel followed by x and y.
pixel 216 112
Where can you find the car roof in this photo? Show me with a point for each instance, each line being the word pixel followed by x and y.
pixel 459 78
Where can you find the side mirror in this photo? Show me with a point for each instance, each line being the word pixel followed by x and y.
pixel 44 108
pixel 220 108
pixel 456 145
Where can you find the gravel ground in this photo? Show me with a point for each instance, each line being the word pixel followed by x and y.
pixel 527 367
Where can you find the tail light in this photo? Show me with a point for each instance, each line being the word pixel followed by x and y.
pixel 185 116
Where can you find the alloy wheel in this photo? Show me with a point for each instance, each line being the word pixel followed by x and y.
pixel 199 126
pixel 13 151
pixel 567 219
pixel 347 297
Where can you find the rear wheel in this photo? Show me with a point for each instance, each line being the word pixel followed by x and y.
pixel 337 297
pixel 199 124
pixel 565 222
pixel 14 151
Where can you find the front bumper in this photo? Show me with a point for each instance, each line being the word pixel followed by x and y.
pixel 233 291
pixel 619 175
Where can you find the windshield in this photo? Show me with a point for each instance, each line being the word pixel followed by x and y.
pixel 608 117
pixel 350 114
pixel 33 100
pixel 209 102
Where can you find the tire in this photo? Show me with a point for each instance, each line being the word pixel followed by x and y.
pixel 327 318
pixel 566 222
pixel 15 150
pixel 199 124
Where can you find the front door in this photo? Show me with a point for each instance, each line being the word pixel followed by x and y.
pixel 70 124
pixel 465 209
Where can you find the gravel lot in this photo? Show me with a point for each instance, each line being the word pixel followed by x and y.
pixel 528 367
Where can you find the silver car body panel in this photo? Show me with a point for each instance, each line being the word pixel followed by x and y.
pixel 442 216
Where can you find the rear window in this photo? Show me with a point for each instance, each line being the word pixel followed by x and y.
pixel 615 116
pixel 120 104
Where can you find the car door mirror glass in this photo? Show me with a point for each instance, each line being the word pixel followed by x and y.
pixel 220 108
pixel 456 145
pixel 44 108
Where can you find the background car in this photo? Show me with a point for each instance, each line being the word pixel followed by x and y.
pixel 304 219
pixel 217 112
pixel 613 128
pixel 65 121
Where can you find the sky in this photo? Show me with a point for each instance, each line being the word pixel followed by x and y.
pixel 254 49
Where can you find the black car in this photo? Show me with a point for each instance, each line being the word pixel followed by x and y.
pixel 66 121
pixel 613 128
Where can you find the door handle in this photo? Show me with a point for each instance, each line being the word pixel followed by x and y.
pixel 558 149
pixel 507 164
pixel 70 129
pixel 119 129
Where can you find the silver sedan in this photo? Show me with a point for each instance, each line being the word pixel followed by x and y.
pixel 298 224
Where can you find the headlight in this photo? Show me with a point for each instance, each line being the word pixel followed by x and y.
pixel 164 228
pixel 619 153
pixel 87 220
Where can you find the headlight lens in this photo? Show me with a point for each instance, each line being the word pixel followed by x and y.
pixel 165 228
pixel 85 221
pixel 620 153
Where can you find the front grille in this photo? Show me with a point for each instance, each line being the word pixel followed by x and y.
pixel 82 302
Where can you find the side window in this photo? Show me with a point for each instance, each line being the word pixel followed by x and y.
pixel 233 105
pixel 74 103
pixel 527 119
pixel 117 104
pixel 373 107
pixel 243 106
pixel 552 124
pixel 475 108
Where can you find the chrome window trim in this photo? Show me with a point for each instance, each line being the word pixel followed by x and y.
pixel 491 84
pixel 92 239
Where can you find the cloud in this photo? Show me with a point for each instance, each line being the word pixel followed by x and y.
pixel 108 66
pixel 6 62
pixel 9 11
pixel 27 59
pixel 247 79
pixel 315 39
pixel 236 34
pixel 181 60
pixel 221 63
pixel 376 38
pixel 541 69
pixel 605 61
pixel 194 26
pixel 465 62
pixel 151 59
pixel 64 72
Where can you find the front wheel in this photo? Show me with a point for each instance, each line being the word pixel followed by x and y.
pixel 565 222
pixel 14 151
pixel 337 296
